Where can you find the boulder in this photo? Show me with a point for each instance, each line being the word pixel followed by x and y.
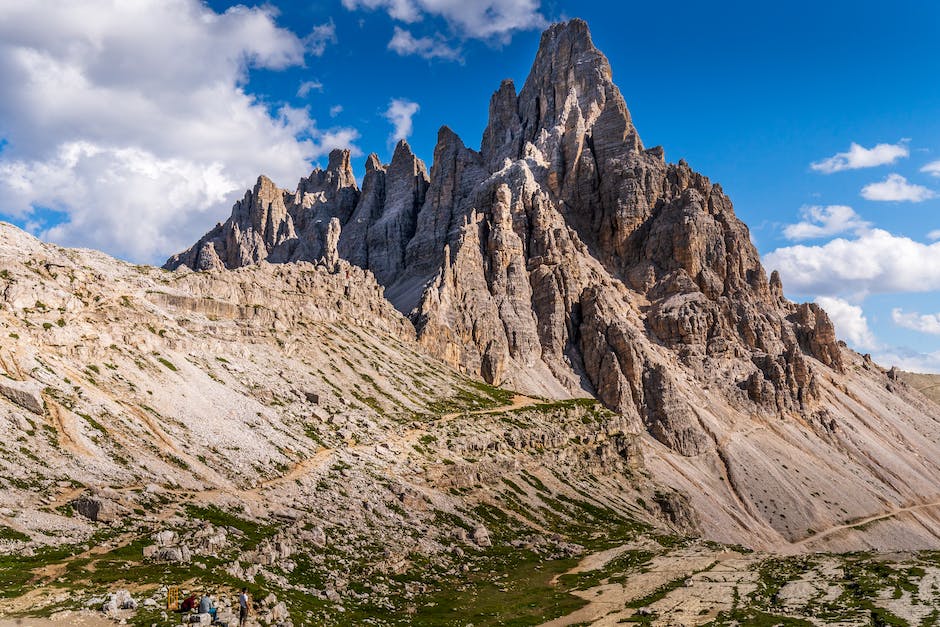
pixel 26 394
pixel 96 508
pixel 481 537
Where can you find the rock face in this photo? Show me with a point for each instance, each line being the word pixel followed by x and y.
pixel 560 259
pixel 271 224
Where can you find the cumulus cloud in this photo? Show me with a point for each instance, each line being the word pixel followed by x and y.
pixel 896 188
pixel 934 235
pixel 482 19
pixel 849 321
pixel 925 323
pixel 335 110
pixel 399 113
pixel 404 43
pixel 857 157
pixel 932 168
pixel 110 121
pixel 874 262
pixel 825 222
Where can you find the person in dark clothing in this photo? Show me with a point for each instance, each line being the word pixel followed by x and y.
pixel 188 603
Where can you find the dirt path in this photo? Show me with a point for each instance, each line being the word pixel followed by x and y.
pixel 304 466
pixel 596 561
pixel 857 523
pixel 297 470
pixel 518 402
pixel 66 495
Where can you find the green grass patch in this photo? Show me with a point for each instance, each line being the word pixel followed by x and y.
pixel 168 364
pixel 8 533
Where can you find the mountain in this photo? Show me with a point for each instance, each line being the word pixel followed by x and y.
pixel 548 380
pixel 565 259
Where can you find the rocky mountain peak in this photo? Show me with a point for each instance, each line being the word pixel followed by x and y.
pixel 339 162
pixel 562 259
pixel 405 160
pixel 373 162
pixel 569 90
pixel 567 65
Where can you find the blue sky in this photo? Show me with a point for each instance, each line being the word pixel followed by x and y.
pixel 133 129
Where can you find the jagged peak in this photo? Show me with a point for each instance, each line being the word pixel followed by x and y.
pixel 265 187
pixel 338 174
pixel 575 31
pixel 569 89
pixel 567 52
pixel 403 146
pixel 506 87
pixel 447 135
pixel 373 163
pixel 405 160
pixel 448 147
pixel 339 160
pixel 403 152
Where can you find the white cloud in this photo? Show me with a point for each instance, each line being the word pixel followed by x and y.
pixel 825 222
pixel 111 121
pixel 907 359
pixel 404 43
pixel 319 37
pixel 478 19
pixel 308 86
pixel 932 168
pixel 338 138
pixel 335 110
pixel 875 262
pixel 77 177
pixel 849 321
pixel 934 235
pixel 896 188
pixel 399 113
pixel 925 323
pixel 402 10
pixel 860 157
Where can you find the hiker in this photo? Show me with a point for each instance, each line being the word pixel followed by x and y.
pixel 205 605
pixel 243 607
pixel 188 603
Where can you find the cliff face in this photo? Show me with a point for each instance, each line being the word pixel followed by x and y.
pixel 566 259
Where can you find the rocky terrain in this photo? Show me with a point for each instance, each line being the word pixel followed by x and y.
pixel 548 380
